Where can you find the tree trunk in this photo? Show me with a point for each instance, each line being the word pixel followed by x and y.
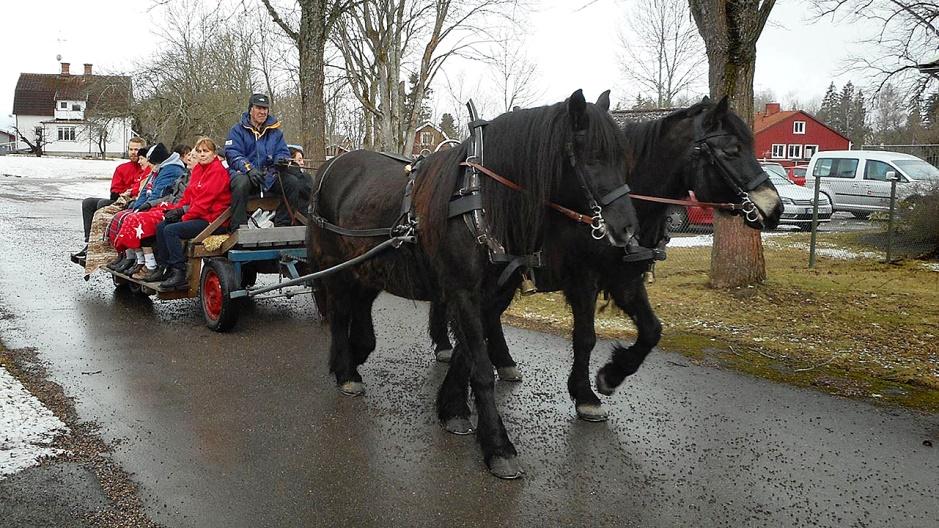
pixel 311 43
pixel 730 30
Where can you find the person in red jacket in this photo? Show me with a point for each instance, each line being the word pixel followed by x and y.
pixel 126 177
pixel 207 196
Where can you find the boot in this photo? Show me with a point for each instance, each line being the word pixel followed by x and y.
pixel 122 265
pixel 133 270
pixel 155 275
pixel 79 258
pixel 142 273
pixel 175 280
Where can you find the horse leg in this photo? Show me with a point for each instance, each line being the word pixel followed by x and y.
pixel 498 451
pixel 583 300
pixel 439 331
pixel 341 361
pixel 452 405
pixel 361 337
pixel 495 339
pixel 634 300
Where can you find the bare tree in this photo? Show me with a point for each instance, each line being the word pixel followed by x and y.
pixel 514 73
pixel 308 25
pixel 386 42
pixel 661 49
pixel 36 142
pixel 908 35
pixel 730 29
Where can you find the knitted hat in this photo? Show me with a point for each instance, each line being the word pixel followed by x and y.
pixel 157 154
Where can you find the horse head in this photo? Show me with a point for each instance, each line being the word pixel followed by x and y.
pixel 724 168
pixel 596 157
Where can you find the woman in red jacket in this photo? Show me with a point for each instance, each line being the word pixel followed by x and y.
pixel 207 196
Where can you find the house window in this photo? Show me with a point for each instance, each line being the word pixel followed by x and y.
pixel 798 127
pixel 66 133
pixel 779 151
pixel 63 105
pixel 427 138
pixel 809 151
pixel 795 152
pixel 76 107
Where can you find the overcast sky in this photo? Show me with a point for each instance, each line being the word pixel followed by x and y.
pixel 796 58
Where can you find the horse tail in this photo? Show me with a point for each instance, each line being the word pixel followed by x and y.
pixel 436 181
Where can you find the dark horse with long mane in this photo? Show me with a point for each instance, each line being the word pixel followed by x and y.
pixel 706 149
pixel 568 153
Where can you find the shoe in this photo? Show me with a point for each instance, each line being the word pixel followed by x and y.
pixel 79 258
pixel 155 275
pixel 175 280
pixel 142 273
pixel 133 270
pixel 120 265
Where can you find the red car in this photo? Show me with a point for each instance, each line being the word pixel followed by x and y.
pixel 680 217
pixel 797 174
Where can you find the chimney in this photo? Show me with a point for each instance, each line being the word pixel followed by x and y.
pixel 772 108
pixel 65 66
pixel 87 69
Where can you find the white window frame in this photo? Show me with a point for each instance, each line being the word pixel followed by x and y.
pixel 806 148
pixel 798 127
pixel 427 138
pixel 63 105
pixel 780 153
pixel 790 148
pixel 66 133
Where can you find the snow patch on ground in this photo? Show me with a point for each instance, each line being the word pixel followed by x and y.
pixel 931 266
pixel 27 427
pixel 49 167
pixel 838 253
pixel 708 240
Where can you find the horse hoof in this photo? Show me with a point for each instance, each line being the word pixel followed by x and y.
pixel 509 374
pixel 602 386
pixel 591 412
pixel 458 426
pixel 506 468
pixel 352 388
pixel 444 355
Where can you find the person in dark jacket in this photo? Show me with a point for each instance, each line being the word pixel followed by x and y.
pixel 254 148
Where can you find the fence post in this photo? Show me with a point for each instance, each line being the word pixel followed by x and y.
pixel 818 183
pixel 892 178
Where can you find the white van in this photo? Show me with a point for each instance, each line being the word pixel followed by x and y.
pixel 856 180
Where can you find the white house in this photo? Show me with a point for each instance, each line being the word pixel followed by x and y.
pixel 77 115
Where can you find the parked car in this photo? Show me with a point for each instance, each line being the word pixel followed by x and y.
pixel 797 174
pixel 797 204
pixel 772 167
pixel 681 217
pixel 856 180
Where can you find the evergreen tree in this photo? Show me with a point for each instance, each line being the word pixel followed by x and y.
pixel 448 126
pixel 829 104
pixel 931 112
pixel 858 130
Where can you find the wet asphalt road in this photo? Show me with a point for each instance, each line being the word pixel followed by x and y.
pixel 247 428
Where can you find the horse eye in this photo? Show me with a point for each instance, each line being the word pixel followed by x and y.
pixel 732 150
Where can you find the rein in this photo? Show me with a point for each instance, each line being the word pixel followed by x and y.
pixel 570 213
pixel 696 203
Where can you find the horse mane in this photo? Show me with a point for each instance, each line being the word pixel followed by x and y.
pixel 529 147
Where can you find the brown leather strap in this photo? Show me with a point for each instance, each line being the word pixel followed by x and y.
pixel 573 215
pixel 711 205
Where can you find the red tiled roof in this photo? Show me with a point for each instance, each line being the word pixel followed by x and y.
pixel 36 93
pixel 762 122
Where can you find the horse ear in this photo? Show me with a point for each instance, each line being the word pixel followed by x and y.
pixel 705 100
pixel 716 114
pixel 577 108
pixel 604 101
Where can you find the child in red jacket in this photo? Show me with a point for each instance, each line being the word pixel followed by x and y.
pixel 207 196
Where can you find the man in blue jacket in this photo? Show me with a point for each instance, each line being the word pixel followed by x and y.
pixel 253 148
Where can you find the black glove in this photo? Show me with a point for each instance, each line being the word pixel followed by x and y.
pixel 173 215
pixel 145 207
pixel 256 177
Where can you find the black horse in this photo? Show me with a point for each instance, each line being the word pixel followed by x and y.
pixel 568 153
pixel 705 148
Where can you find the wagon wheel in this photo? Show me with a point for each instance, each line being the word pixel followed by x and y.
pixel 677 218
pixel 215 287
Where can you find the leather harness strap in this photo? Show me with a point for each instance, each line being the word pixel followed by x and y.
pixel 573 215
pixel 673 201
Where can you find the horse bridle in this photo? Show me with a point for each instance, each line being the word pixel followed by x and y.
pixel 704 150
pixel 598 226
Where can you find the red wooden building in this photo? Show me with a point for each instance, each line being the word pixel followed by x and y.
pixel 791 137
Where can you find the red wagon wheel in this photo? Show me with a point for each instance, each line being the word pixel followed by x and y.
pixel 215 287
